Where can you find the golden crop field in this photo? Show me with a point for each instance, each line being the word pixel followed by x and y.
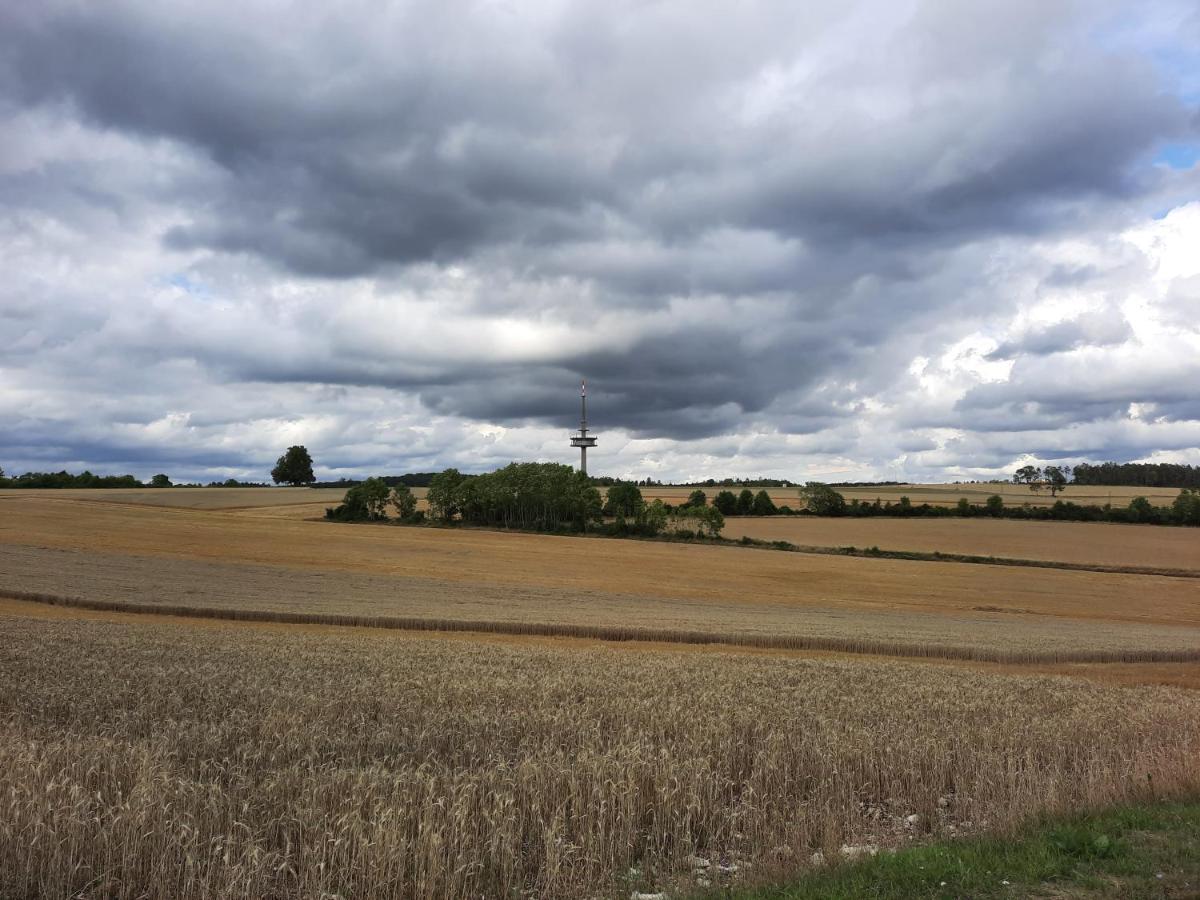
pixel 1097 543
pixel 193 498
pixel 606 713
pixel 226 559
pixel 191 762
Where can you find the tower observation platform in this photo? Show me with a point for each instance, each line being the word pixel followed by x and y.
pixel 582 439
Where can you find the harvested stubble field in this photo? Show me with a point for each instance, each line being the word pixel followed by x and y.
pixel 192 498
pixel 151 555
pixel 1082 543
pixel 234 762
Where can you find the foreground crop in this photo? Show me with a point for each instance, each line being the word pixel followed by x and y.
pixel 247 762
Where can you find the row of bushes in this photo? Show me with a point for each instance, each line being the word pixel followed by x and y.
pixel 1185 510
pixel 529 497
pixel 822 500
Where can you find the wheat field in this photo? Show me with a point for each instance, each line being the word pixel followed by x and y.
pixel 226 762
pixel 223 560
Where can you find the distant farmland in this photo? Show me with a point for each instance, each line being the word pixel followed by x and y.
pixel 312 501
pixel 944 494
pixel 143 552
pixel 1100 543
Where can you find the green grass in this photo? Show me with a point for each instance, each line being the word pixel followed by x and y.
pixel 1135 852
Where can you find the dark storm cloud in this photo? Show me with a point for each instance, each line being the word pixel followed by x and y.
pixel 656 387
pixel 341 155
pixel 731 221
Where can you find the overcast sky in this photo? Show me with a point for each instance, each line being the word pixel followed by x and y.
pixel 894 240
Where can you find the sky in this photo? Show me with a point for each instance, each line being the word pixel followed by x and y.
pixel 829 241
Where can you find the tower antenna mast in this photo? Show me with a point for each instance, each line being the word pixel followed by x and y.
pixel 583 440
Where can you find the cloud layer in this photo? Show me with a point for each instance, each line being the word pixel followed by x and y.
pixel 910 240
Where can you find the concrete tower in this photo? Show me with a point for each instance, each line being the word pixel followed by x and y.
pixel 583 440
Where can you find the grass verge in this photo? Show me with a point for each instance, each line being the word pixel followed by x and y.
pixel 1131 852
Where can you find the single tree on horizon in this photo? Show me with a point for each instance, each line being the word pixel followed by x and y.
pixel 295 467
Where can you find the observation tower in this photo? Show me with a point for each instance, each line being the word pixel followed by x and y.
pixel 583 440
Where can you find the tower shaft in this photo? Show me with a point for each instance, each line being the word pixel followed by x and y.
pixel 583 440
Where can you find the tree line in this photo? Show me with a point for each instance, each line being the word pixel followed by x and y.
pixel 823 500
pixel 85 479
pixel 1138 474
pixel 547 497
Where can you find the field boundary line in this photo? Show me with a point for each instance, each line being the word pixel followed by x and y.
pixel 974 559
pixel 618 633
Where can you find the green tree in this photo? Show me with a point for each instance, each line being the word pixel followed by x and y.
pixel 1027 475
pixel 445 494
pixel 964 506
pixel 402 498
pixel 1140 510
pixel 1186 507
pixel 726 502
pixel 624 500
pixel 708 519
pixel 375 496
pixel 160 481
pixel 745 502
pixel 1056 478
pixel 654 517
pixel 763 504
pixel 295 467
pixel 995 505
pixel 365 501
pixel 822 500
pixel 697 498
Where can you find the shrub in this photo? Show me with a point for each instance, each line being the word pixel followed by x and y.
pixel 624 500
pixel 709 520
pixel 763 505
pixel 745 502
pixel 726 502
pixel 822 500
pixel 406 504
